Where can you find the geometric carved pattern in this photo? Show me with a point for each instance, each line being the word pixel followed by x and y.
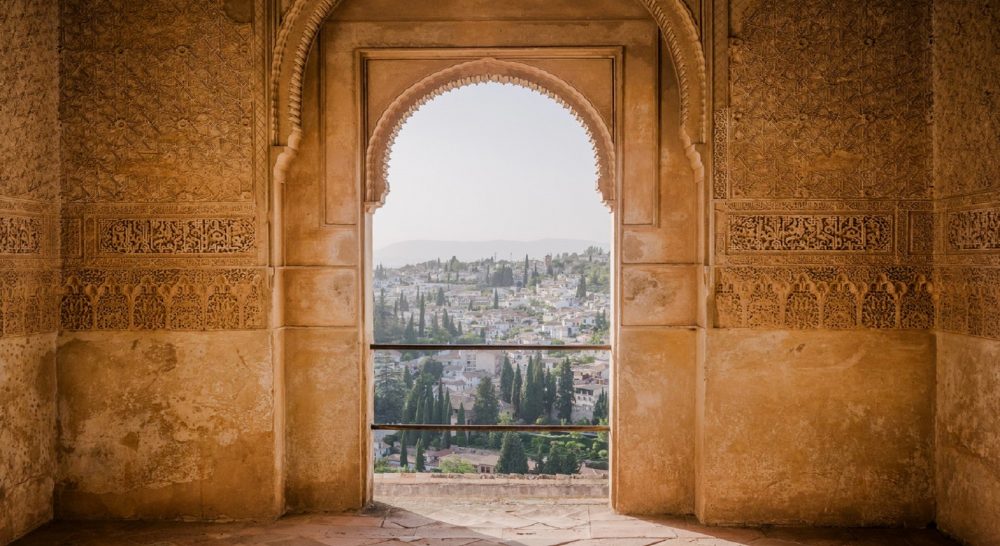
pixel 824 297
pixel 973 230
pixel 159 102
pixel 29 97
pixel 176 236
pixel 20 235
pixel 720 153
pixel 809 233
pixel 175 299
pixel 830 102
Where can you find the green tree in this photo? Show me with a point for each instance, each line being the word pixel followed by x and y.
pixel 564 394
pixel 404 464
pixel 525 270
pixel 390 394
pixel 422 324
pixel 457 466
pixel 410 335
pixel 600 408
pixel 421 464
pixel 496 298
pixel 561 460
pixel 486 409
pixel 513 459
pixel 462 438
pixel 515 393
pixel 581 287
pixel 506 379
pixel 533 402
pixel 550 392
pixel 439 300
pixel 407 377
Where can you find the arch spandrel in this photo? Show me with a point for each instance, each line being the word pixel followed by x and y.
pixel 480 71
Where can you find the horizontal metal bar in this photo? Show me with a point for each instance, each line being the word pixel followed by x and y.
pixel 495 428
pixel 483 347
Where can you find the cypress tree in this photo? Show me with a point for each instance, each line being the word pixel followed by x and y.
pixel 581 287
pixel 513 459
pixel 403 462
pixel 515 393
pixel 430 416
pixel 422 325
pixel 496 298
pixel 420 456
pixel 463 436
pixel 600 408
pixel 564 395
pixel 533 402
pixel 407 377
pixel 525 270
pixel 506 379
pixel 486 409
pixel 550 392
pixel 410 335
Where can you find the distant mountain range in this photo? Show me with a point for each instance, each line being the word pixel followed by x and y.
pixel 414 252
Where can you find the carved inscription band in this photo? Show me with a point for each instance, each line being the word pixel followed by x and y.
pixel 176 236
pixel 809 233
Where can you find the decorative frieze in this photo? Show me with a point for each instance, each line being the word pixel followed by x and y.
pixel 173 299
pixel 20 235
pixel 824 297
pixel 809 233
pixel 176 236
pixel 969 300
pixel 971 230
pixel 28 301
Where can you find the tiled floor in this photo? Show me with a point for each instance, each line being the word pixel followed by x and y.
pixel 459 523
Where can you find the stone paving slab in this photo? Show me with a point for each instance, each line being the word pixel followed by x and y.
pixel 443 522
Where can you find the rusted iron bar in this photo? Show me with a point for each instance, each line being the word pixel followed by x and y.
pixel 484 347
pixel 495 428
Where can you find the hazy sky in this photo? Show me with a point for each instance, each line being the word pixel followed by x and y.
pixel 492 161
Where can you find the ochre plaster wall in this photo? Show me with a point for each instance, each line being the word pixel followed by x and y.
pixel 29 261
pixel 818 380
pixel 166 404
pixel 967 256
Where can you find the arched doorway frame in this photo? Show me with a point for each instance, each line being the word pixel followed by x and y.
pixel 652 269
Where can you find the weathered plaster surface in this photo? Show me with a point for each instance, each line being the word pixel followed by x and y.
pixel 165 425
pixel 324 392
pixel 817 428
pixel 968 438
pixel 27 433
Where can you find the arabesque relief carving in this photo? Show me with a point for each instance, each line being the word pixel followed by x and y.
pixel 29 95
pixel 828 102
pixel 176 236
pixel 810 233
pixel 183 128
pixel 824 297
pixel 970 301
pixel 973 230
pixel 28 300
pixel 20 235
pixel 175 299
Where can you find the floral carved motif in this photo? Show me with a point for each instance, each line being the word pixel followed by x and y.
pixel 973 230
pixel 175 299
pixel 176 236
pixel 20 235
pixel 970 301
pixel 824 297
pixel 809 233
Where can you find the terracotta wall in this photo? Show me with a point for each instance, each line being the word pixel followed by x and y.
pixel 166 389
pixel 967 244
pixel 818 380
pixel 29 261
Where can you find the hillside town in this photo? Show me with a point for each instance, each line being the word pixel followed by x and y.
pixel 557 300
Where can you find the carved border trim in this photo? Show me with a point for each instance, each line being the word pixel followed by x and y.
pixel 387 128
